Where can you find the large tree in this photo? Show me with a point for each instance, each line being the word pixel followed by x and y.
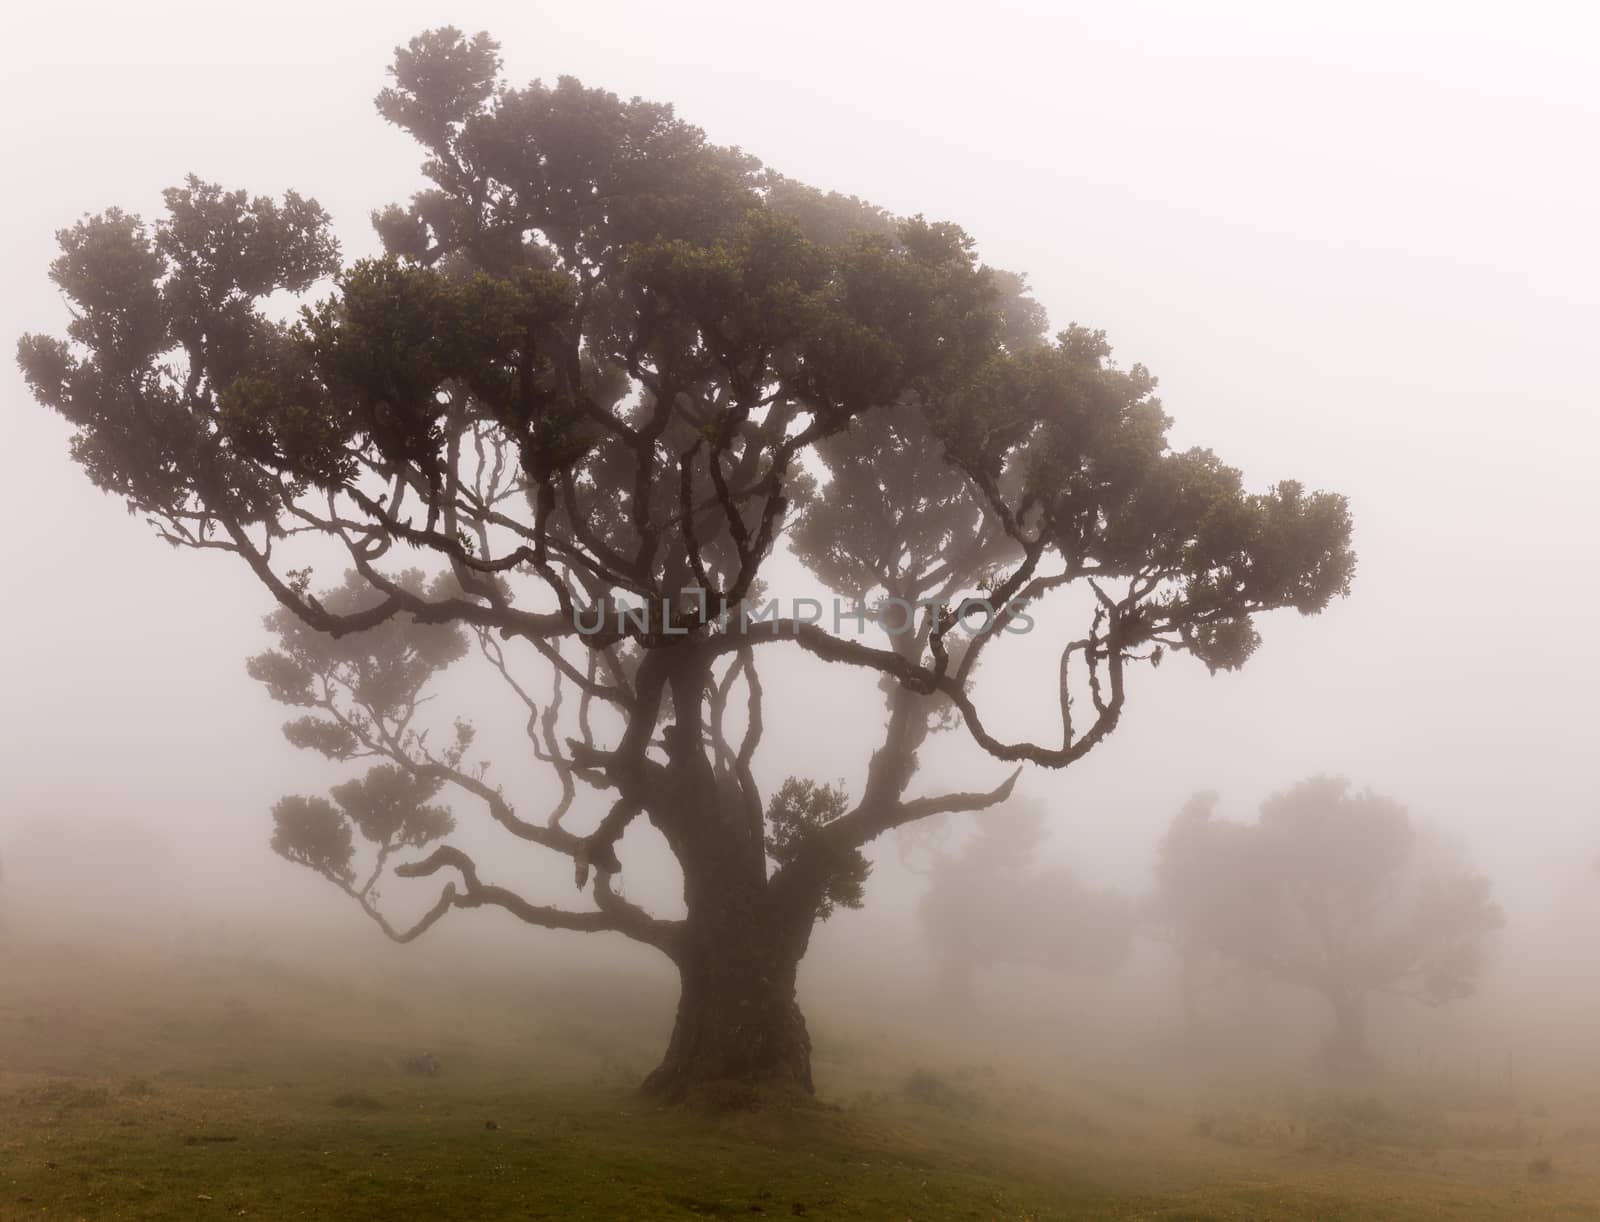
pixel 607 364
pixel 1333 889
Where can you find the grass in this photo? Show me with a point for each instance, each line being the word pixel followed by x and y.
pixel 290 1150
pixel 240 1089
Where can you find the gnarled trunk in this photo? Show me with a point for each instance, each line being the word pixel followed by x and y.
pixel 739 947
pixel 1347 1045
pixel 738 1019
pixel 1189 990
pixel 737 954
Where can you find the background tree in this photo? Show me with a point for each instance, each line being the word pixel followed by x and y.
pixel 1331 889
pixel 1207 897
pixel 604 363
pixel 992 904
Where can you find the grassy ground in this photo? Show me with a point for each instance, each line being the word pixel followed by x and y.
pixel 222 1088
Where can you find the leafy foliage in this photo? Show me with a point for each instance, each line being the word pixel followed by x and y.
pixel 391 807
pixel 312 832
pixel 798 811
pixel 384 668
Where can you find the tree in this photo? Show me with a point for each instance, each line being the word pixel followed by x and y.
pixel 991 904
pixel 1207 895
pixel 606 371
pixel 1332 889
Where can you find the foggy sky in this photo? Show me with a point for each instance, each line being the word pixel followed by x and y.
pixel 1355 244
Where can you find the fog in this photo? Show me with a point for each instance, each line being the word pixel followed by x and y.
pixel 1355 244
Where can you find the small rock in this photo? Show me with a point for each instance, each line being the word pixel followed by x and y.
pixel 490 1125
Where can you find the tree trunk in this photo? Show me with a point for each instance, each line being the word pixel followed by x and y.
pixel 1189 989
pixel 1348 1043
pixel 741 941
pixel 738 1020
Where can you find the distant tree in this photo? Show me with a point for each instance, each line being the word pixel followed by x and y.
pixel 1332 889
pixel 1200 903
pixel 993 903
pixel 605 364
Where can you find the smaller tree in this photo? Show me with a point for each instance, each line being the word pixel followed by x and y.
pixel 1207 896
pixel 992 903
pixel 1332 889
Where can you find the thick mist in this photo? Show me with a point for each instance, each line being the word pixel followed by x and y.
pixel 1355 245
